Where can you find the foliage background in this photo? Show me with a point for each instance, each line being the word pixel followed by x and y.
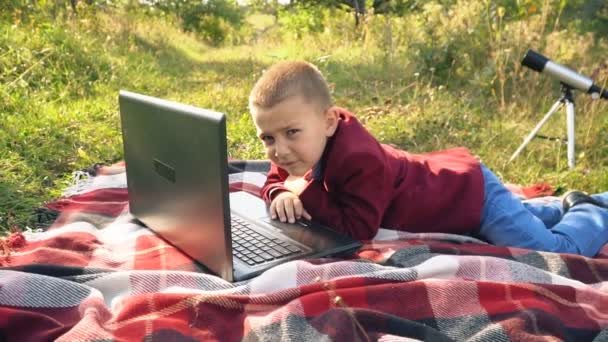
pixel 423 75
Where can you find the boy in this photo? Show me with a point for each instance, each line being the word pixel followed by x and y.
pixel 326 166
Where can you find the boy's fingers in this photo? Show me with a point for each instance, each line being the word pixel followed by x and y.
pixel 280 208
pixel 297 206
pixel 290 212
pixel 305 214
pixel 273 210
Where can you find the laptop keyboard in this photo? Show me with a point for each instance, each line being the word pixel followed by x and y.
pixel 254 248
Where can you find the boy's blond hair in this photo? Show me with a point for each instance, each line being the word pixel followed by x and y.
pixel 286 79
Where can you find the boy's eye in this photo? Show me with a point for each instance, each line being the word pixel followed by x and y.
pixel 291 132
pixel 267 139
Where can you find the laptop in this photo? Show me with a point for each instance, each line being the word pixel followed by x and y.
pixel 177 178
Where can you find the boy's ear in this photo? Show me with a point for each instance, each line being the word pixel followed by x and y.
pixel 331 120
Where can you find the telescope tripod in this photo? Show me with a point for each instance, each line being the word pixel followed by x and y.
pixel 566 99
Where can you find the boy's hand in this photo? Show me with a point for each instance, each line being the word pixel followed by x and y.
pixel 287 207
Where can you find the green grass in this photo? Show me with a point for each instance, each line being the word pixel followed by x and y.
pixel 423 82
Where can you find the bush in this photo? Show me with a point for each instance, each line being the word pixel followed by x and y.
pixel 213 20
pixel 302 19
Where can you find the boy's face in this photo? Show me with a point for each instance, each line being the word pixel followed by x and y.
pixel 294 133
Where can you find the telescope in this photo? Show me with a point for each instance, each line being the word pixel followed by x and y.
pixel 570 80
pixel 542 64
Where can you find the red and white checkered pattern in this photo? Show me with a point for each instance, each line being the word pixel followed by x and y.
pixel 97 275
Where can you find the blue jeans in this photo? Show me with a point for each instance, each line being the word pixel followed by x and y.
pixel 540 224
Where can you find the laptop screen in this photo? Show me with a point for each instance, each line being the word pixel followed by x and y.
pixel 176 165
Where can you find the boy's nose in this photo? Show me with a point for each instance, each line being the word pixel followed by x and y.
pixel 280 150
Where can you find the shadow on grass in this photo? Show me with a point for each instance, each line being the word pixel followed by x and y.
pixel 16 207
pixel 588 16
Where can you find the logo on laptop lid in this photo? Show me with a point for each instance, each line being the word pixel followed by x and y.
pixel 164 170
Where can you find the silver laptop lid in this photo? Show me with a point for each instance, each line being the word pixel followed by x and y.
pixel 176 185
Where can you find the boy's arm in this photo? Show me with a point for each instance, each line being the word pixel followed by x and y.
pixel 274 184
pixel 363 190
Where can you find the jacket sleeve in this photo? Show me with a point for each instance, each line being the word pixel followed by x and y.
pixel 360 193
pixel 274 184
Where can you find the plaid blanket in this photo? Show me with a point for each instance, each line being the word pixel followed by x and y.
pixel 97 275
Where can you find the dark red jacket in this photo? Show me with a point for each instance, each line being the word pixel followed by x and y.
pixel 364 185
